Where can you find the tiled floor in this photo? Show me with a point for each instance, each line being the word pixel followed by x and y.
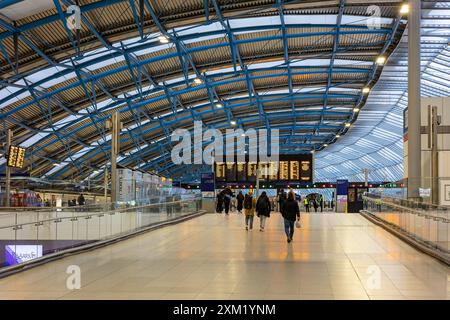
pixel 333 256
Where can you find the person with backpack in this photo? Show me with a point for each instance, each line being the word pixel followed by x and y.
pixel 249 210
pixel 306 204
pixel 315 204
pixel 263 208
pixel 281 200
pixel 291 213
pixel 240 201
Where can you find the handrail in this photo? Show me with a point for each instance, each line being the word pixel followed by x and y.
pixel 110 212
pixel 412 210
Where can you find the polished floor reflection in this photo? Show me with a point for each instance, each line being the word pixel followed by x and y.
pixel 333 256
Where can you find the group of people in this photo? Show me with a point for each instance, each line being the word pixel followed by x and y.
pixel 313 202
pixel 262 207
pixel 81 201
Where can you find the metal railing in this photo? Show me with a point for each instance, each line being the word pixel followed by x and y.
pixel 423 222
pixel 29 235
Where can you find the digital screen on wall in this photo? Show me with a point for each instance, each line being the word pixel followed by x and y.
pixel 289 168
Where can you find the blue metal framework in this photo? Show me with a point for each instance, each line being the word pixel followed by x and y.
pixel 303 87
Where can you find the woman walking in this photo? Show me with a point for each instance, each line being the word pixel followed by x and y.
pixel 291 212
pixel 249 210
pixel 263 207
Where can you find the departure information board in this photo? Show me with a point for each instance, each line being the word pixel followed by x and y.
pixel 290 168
pixel 16 157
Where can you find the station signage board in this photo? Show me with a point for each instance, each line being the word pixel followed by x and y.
pixel 289 168
pixel 16 157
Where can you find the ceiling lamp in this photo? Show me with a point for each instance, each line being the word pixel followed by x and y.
pixel 381 60
pixel 347 125
pixel 233 122
pixel 356 110
pixel 325 145
pixel 198 80
pixel 404 8
pixel 219 105
pixel 163 39
pixel 366 90
pixel 338 136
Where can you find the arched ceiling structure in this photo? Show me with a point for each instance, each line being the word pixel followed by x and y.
pixel 296 66
pixel 375 141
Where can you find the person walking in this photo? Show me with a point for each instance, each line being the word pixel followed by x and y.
pixel 240 201
pixel 249 210
pixel 227 200
pixel 281 200
pixel 315 204
pixel 263 208
pixel 306 204
pixel 291 213
pixel 219 205
pixel 321 203
pixel 81 200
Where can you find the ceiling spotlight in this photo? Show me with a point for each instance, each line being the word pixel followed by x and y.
pixel 325 145
pixel 366 90
pixel 56 164
pixel 198 80
pixel 347 125
pixel 312 151
pixel 338 136
pixel 381 60
pixel 163 39
pixel 233 122
pixel 219 105
pixel 243 135
pixel 356 110
pixel 404 8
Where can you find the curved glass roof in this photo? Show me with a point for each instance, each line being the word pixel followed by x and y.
pixel 297 66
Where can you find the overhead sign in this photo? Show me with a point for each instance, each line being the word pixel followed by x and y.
pixel 207 182
pixel 291 168
pixel 16 157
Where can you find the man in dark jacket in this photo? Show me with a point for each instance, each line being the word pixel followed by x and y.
pixel 227 200
pixel 263 209
pixel 290 212
pixel 219 204
pixel 281 200
pixel 240 201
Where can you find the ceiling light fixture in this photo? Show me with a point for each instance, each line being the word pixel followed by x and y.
pixel 198 80
pixel 356 110
pixel 163 39
pixel 404 9
pixel 381 60
pixel 233 122
pixel 366 90
pixel 347 125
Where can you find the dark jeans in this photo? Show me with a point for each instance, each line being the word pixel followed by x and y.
pixel 289 228
pixel 227 207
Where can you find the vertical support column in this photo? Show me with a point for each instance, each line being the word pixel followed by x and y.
pixel 105 183
pixel 414 117
pixel 8 171
pixel 116 126
pixel 366 177
pixel 434 156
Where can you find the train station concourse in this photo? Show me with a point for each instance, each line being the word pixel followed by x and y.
pixel 224 150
